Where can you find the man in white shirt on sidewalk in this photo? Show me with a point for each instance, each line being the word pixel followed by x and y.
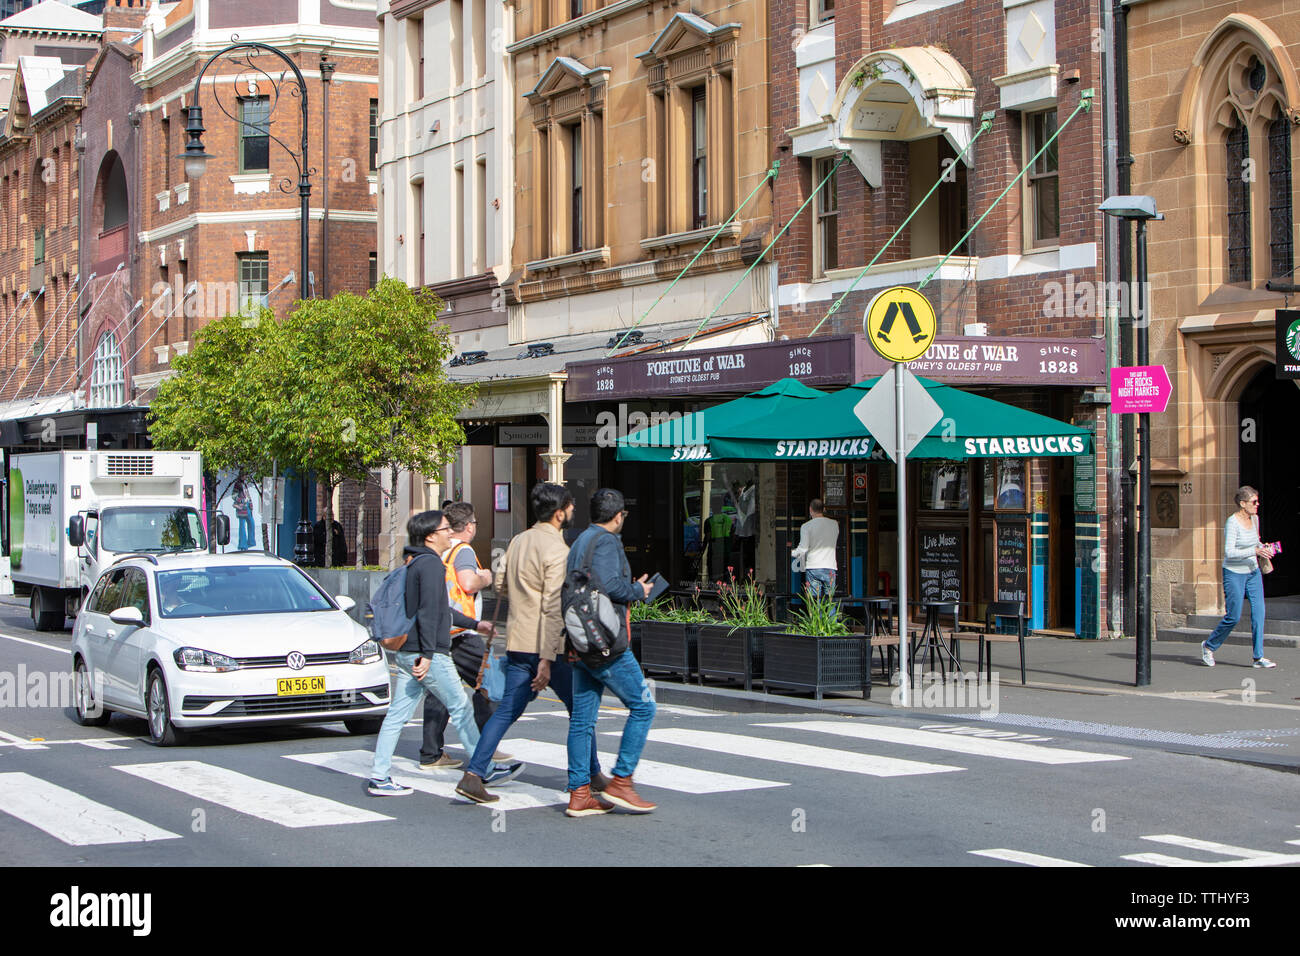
pixel 817 539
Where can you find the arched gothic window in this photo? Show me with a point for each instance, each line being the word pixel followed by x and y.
pixel 107 383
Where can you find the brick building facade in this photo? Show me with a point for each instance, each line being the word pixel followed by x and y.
pixel 900 89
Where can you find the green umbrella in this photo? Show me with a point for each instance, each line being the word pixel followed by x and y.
pixel 972 427
pixel 685 438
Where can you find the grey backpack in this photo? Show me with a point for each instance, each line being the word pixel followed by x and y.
pixel 591 623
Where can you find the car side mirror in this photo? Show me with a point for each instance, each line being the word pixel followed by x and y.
pixel 76 531
pixel 128 617
pixel 344 602
pixel 223 530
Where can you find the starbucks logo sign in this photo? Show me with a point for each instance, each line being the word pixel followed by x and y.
pixel 1293 339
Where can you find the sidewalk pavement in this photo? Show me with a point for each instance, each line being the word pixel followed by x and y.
pixel 1086 688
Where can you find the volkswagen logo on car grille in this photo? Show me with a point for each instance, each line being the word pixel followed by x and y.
pixel 296 661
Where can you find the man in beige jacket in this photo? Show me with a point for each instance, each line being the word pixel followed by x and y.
pixel 532 574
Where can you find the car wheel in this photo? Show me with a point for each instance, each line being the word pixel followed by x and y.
pixel 362 726
pixel 161 731
pixel 90 713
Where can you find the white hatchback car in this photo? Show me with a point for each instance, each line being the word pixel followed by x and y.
pixel 190 641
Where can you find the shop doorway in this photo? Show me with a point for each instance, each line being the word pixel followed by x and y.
pixel 1269 461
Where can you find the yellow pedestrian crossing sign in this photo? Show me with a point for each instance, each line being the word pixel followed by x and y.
pixel 900 324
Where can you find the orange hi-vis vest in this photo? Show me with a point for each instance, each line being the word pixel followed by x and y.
pixel 465 603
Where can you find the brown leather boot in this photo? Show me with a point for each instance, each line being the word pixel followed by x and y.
pixel 599 782
pixel 620 793
pixel 471 788
pixel 583 803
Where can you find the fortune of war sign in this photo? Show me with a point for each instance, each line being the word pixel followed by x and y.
pixel 824 361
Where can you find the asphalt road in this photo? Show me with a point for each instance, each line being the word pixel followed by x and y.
pixel 732 789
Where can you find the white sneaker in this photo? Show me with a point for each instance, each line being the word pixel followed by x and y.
pixel 1264 662
pixel 1207 656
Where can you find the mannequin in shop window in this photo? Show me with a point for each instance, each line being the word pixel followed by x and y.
pixel 717 540
pixel 746 525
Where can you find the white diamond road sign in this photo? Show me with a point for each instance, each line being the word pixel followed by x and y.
pixel 877 411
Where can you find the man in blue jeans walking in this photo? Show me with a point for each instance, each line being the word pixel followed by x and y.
pixel 531 577
pixel 611 575
pixel 424 661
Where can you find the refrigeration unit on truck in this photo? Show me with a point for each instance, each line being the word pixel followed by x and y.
pixel 73 513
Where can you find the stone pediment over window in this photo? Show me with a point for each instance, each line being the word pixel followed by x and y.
pixel 687 45
pixel 566 88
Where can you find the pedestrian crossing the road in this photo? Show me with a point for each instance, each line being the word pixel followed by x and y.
pixel 694 763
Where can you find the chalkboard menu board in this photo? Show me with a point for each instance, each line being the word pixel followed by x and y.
pixel 938 560
pixel 1013 561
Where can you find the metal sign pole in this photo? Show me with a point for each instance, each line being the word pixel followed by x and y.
pixel 900 459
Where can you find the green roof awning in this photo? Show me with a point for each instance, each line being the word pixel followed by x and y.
pixel 686 438
pixel 972 426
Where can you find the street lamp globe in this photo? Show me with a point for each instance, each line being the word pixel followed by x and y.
pixel 196 160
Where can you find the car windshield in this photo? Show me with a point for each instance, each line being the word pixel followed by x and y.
pixel 150 529
pixel 246 589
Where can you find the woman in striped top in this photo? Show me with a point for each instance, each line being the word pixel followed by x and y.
pixel 1242 550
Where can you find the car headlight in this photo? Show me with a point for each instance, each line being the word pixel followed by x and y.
pixel 195 659
pixel 367 653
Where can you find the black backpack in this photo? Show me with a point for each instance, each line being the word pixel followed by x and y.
pixel 592 625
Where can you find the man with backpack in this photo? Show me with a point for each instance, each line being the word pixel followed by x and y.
pixel 598 554
pixel 531 576
pixel 423 658
pixel 465 583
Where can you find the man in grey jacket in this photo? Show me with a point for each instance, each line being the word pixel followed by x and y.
pixel 610 573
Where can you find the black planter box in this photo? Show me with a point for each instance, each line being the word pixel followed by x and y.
pixel 732 654
pixel 669 647
pixel 634 639
pixel 817 664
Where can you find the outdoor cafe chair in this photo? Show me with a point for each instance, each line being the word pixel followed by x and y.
pixel 997 612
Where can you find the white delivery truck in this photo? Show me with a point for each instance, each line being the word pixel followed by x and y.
pixel 72 513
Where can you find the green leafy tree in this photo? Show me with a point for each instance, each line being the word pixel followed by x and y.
pixel 223 397
pixel 368 390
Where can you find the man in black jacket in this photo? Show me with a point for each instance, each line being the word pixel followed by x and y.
pixel 424 661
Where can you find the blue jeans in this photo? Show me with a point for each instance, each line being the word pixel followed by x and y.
pixel 520 670
pixel 1234 585
pixel 246 538
pixel 819 581
pixel 444 683
pixel 623 677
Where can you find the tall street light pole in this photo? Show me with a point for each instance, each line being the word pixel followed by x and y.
pixel 196 161
pixel 1140 210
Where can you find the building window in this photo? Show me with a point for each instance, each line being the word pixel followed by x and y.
pixel 374 135
pixel 107 382
pixel 458 233
pixel 1238 156
pixel 417 197
pixel 255 129
pixel 479 29
pixel 823 10
pixel 374 270
pixel 480 216
pixel 1280 242
pixel 1044 180
pixel 254 270
pixel 575 192
pixel 575 9
pixel 415 41
pixel 38 237
pixel 699 159
pixel 456 13
pixel 828 210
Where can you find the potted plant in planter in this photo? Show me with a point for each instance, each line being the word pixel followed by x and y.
pixel 640 612
pixel 817 652
pixel 669 643
pixel 733 648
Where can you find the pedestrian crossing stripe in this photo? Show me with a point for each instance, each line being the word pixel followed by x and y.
pixel 70 817
pixel 439 783
pixel 1028 859
pixel 802 755
pixel 250 795
pixel 1240 856
pixel 972 746
pixel 650 773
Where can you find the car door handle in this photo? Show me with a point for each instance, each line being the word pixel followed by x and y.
pixel 90 629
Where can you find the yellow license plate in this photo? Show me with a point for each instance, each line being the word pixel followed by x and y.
pixel 293 686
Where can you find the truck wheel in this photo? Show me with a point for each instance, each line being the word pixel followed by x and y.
pixel 45 617
pixel 90 712
pixel 161 731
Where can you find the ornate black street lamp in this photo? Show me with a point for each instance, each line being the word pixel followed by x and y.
pixel 196 162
